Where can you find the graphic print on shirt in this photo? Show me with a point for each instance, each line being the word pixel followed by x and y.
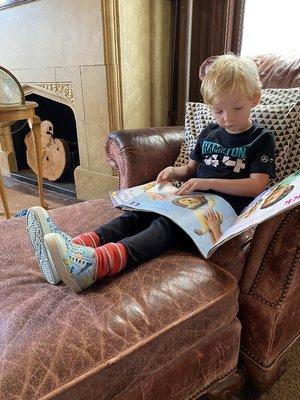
pixel 217 155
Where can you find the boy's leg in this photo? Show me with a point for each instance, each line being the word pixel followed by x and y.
pixel 80 266
pixel 161 235
pixel 39 224
pixel 128 224
pixel 90 239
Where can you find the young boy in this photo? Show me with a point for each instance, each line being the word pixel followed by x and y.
pixel 244 159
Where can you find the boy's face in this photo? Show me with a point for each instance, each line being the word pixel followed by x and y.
pixel 232 112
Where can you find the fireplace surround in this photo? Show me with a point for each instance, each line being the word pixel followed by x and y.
pixel 108 62
pixel 59 141
pixel 62 93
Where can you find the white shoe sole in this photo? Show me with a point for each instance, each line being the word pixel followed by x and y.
pixel 54 244
pixel 37 228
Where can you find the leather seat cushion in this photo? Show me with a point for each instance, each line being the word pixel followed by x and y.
pixel 171 317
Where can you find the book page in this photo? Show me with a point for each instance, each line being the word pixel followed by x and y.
pixel 275 200
pixel 123 196
pixel 201 215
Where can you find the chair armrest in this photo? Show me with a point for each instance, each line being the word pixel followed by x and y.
pixel 270 289
pixel 138 155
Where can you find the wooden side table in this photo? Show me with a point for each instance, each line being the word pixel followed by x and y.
pixel 3 197
pixel 11 113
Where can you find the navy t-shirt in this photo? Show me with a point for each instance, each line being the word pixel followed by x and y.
pixel 234 156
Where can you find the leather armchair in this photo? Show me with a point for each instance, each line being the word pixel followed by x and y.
pixel 265 265
pixel 165 330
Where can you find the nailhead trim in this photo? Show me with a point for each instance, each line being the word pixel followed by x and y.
pixel 288 281
pixel 262 363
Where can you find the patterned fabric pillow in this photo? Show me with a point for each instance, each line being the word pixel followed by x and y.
pixel 197 117
pixel 278 111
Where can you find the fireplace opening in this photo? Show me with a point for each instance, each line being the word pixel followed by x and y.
pixel 60 144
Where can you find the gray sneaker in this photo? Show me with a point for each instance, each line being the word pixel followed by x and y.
pixel 40 224
pixel 76 264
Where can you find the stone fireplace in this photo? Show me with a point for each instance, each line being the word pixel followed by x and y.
pixel 60 139
pixel 70 91
pixel 81 55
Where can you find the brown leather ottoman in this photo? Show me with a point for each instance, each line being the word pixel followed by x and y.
pixel 164 330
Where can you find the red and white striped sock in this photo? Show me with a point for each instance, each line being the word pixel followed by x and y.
pixel 111 259
pixel 90 239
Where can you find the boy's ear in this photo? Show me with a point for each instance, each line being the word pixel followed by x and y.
pixel 256 100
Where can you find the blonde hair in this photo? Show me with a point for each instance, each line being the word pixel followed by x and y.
pixel 227 73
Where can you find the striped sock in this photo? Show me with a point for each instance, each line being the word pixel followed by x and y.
pixel 90 239
pixel 111 259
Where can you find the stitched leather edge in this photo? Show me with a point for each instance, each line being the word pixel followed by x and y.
pixel 288 280
pixel 111 159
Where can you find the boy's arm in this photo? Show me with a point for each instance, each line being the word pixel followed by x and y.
pixel 178 173
pixel 248 187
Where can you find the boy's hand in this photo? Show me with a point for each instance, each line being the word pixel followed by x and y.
pixel 194 184
pixel 165 175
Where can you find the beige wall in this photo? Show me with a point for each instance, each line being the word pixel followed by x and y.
pixel 144 58
pixel 51 33
pixel 63 41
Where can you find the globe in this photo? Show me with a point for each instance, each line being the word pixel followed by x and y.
pixel 11 92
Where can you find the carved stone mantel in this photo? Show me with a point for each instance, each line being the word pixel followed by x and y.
pixel 64 88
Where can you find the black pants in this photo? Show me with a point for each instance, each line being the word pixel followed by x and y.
pixel 145 235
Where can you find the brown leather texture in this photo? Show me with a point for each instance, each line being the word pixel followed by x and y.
pixel 185 366
pixel 270 289
pixel 232 255
pixel 166 329
pixel 138 155
pixel 269 300
pixel 278 72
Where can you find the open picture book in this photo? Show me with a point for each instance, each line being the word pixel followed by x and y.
pixel 207 218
